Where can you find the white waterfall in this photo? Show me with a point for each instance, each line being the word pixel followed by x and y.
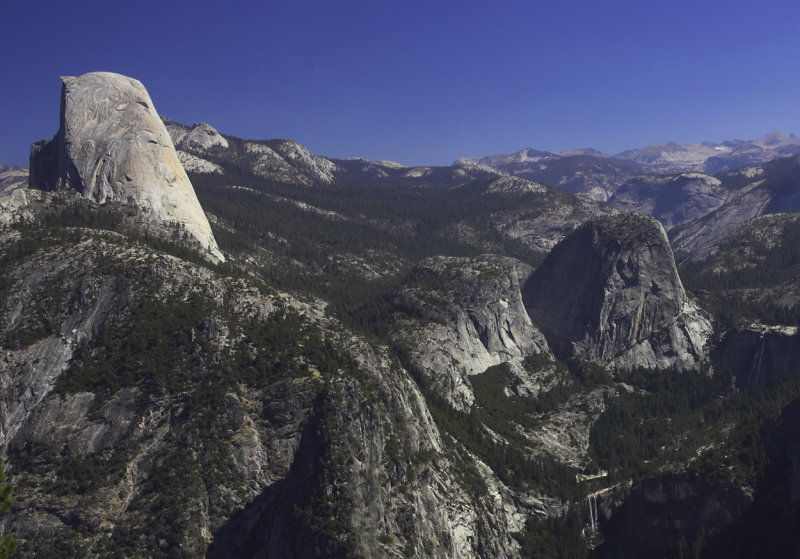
pixel 592 502
pixel 755 369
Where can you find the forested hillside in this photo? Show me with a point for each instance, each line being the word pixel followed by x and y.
pixel 384 361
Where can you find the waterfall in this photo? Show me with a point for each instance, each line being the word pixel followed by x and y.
pixel 592 502
pixel 755 369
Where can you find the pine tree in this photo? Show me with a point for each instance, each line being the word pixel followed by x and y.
pixel 8 545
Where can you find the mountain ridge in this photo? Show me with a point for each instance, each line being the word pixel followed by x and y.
pixel 439 362
pixel 669 157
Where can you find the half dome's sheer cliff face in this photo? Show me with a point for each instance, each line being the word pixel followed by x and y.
pixel 112 146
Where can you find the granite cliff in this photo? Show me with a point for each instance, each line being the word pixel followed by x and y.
pixel 610 292
pixel 461 316
pixel 249 424
pixel 112 146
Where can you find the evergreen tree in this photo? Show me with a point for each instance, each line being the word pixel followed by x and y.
pixel 8 545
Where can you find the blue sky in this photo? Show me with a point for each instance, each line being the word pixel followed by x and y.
pixel 418 82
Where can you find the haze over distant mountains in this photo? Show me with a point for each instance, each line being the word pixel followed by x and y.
pixel 671 157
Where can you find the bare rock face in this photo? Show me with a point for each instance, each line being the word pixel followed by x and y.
pixel 13 199
pixel 673 199
pixel 358 438
pixel 12 178
pixel 112 146
pixel 204 136
pixel 464 315
pixel 288 161
pixel 610 292
pixel 192 144
pixel 200 136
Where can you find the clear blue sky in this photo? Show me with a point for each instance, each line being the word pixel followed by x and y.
pixel 420 82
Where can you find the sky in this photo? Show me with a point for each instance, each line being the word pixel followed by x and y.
pixel 419 82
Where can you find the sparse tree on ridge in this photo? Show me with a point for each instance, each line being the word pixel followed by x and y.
pixel 8 545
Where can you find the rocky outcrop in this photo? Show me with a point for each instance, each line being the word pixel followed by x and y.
pixel 202 136
pixel 753 275
pixel 671 199
pixel 462 316
pixel 752 192
pixel 232 441
pixel 288 161
pixel 192 144
pixel 542 215
pixel 514 186
pixel 112 146
pixel 199 136
pixel 194 164
pixel 702 236
pixel 564 433
pixel 579 170
pixel 13 198
pixel 202 149
pixel 12 178
pixel 610 292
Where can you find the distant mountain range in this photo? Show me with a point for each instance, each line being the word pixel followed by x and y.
pixel 598 174
pixel 714 158
pixel 671 157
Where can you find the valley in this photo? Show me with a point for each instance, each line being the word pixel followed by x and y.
pixel 222 347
